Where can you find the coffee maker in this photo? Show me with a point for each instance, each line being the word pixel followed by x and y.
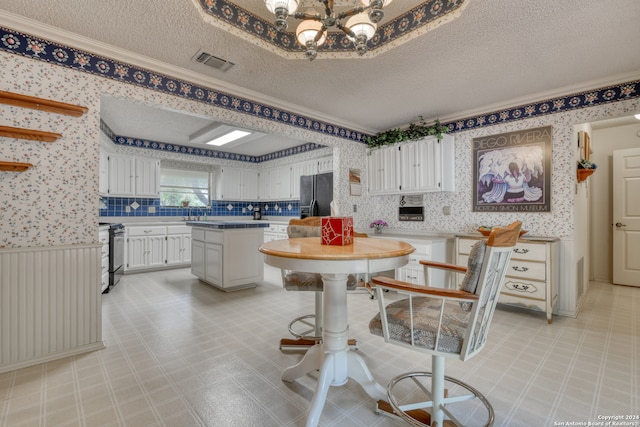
pixel 257 213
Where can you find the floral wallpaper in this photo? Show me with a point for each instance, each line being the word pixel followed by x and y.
pixel 56 203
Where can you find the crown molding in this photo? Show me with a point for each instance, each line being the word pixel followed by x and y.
pixel 76 41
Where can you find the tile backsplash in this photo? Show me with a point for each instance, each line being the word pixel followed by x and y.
pixel 140 207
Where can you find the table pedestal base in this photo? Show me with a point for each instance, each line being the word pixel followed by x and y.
pixel 331 366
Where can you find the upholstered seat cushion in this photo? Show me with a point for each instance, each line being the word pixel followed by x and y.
pixel 426 312
pixel 300 281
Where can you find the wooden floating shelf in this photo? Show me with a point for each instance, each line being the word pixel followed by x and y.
pixel 42 104
pixel 14 166
pixel 34 135
pixel 584 174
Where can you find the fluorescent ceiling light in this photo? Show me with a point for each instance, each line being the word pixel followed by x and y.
pixel 637 116
pixel 229 137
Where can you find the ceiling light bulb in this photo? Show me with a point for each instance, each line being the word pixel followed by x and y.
pixel 363 29
pixel 375 12
pixel 308 30
pixel 281 9
pixel 289 5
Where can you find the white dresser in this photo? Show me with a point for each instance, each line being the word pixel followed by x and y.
pixel 533 275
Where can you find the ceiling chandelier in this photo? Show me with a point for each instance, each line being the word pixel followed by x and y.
pixel 312 31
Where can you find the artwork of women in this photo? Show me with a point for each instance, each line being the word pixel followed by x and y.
pixel 511 171
pixel 510 175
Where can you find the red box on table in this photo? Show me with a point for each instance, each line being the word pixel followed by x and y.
pixel 337 230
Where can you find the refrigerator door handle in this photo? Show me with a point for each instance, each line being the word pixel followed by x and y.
pixel 313 209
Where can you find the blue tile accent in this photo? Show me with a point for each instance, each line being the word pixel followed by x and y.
pixel 116 207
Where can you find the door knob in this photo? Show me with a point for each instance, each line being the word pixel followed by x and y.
pixel 619 224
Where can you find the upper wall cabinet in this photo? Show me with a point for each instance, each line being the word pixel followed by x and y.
pixel 133 176
pixel 237 184
pixel 423 166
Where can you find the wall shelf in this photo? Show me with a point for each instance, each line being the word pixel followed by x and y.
pixel 34 135
pixel 583 174
pixel 14 166
pixel 42 104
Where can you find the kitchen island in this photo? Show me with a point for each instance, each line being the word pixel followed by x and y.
pixel 225 254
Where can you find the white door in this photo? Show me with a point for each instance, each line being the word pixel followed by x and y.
pixel 626 217
pixel 249 184
pixel 213 263
pixel 186 248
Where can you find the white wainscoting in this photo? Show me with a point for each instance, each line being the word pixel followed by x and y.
pixel 50 303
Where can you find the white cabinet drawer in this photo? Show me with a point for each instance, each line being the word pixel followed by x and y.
pixel 146 231
pixel 526 270
pixel 105 264
pixel 197 234
pixel 103 237
pixel 214 237
pixel 529 252
pixel 179 229
pixel 524 288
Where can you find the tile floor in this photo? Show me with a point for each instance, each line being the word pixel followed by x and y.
pixel 181 353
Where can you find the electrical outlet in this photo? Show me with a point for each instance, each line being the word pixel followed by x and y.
pixel 446 210
pixel 244 210
pixel 127 209
pixel 355 208
pixel 152 209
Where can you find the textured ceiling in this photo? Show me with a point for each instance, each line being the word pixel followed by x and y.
pixel 497 53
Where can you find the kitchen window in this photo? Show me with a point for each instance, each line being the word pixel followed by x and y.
pixel 179 185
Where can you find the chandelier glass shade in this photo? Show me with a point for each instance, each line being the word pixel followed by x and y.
pixel 360 25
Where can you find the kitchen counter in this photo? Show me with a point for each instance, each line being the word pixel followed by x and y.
pixel 228 225
pixel 225 254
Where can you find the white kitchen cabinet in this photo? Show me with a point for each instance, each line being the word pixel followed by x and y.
pixel 325 165
pixel 146 246
pixel 383 170
pixel 532 278
pixel 275 232
pixel 133 176
pixel 103 186
pixel 237 184
pixel 420 169
pixel 430 248
pixel 178 245
pixel 197 257
pixel 227 258
pixel 280 183
pixel 423 166
pixel 250 184
pixel 147 177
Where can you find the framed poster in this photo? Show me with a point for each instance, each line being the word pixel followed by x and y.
pixel 512 171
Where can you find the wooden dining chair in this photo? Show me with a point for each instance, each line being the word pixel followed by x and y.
pixel 445 323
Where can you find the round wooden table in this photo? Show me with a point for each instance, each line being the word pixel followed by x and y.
pixel 332 357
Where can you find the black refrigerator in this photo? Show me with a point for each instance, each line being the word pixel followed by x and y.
pixel 316 193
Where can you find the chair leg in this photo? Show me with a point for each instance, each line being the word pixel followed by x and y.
pixel 446 397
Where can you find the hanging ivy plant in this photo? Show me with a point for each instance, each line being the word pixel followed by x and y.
pixel 413 132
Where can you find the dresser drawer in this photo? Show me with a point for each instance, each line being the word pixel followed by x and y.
pixel 529 252
pixel 524 288
pixel 526 270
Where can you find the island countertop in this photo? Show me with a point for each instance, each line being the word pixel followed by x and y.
pixel 227 225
